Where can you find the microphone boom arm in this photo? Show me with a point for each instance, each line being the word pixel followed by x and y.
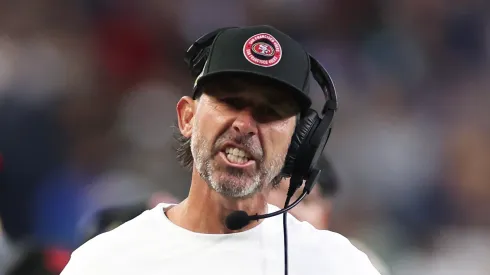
pixel 312 179
pixel 296 202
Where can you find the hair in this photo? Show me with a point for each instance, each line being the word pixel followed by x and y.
pixel 183 149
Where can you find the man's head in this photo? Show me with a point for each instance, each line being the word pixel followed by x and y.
pixel 251 86
pixel 238 131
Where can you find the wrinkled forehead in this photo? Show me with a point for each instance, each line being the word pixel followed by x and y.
pixel 252 89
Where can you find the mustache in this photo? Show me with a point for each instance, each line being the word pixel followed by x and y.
pixel 248 143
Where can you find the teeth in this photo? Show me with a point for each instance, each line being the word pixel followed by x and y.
pixel 236 155
pixel 237 152
pixel 235 159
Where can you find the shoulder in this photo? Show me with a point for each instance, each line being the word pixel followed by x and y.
pixel 332 249
pixel 347 253
pixel 97 255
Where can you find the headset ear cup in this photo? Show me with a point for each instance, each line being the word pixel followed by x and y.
pixel 301 133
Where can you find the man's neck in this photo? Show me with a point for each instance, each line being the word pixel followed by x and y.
pixel 204 210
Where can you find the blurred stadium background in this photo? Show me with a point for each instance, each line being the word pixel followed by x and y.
pixel 87 100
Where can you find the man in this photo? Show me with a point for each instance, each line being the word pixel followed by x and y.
pixel 235 134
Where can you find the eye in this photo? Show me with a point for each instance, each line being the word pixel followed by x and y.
pixel 263 113
pixel 234 103
pixel 266 114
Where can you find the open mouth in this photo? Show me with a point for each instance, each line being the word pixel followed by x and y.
pixel 237 157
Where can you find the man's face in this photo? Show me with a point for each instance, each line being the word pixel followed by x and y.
pixel 240 134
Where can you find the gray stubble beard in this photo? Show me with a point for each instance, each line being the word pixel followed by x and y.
pixel 203 157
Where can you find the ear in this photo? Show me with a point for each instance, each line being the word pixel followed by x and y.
pixel 185 115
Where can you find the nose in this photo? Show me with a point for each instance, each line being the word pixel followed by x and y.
pixel 245 124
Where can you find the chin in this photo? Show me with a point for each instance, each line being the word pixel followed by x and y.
pixel 233 187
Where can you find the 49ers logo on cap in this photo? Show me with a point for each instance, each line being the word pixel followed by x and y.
pixel 262 50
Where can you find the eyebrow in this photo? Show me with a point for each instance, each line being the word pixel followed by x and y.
pixel 274 94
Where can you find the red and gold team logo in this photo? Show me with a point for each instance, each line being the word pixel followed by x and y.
pixel 262 50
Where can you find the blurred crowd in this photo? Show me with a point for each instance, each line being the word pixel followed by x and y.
pixel 87 108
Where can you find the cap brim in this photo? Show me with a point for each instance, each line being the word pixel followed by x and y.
pixel 304 102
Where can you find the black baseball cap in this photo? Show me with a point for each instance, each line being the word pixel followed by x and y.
pixel 261 51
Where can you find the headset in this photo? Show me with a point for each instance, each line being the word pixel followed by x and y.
pixel 307 143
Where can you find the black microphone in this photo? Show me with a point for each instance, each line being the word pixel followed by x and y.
pixel 239 219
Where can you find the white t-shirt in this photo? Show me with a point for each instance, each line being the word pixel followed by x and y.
pixel 151 244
